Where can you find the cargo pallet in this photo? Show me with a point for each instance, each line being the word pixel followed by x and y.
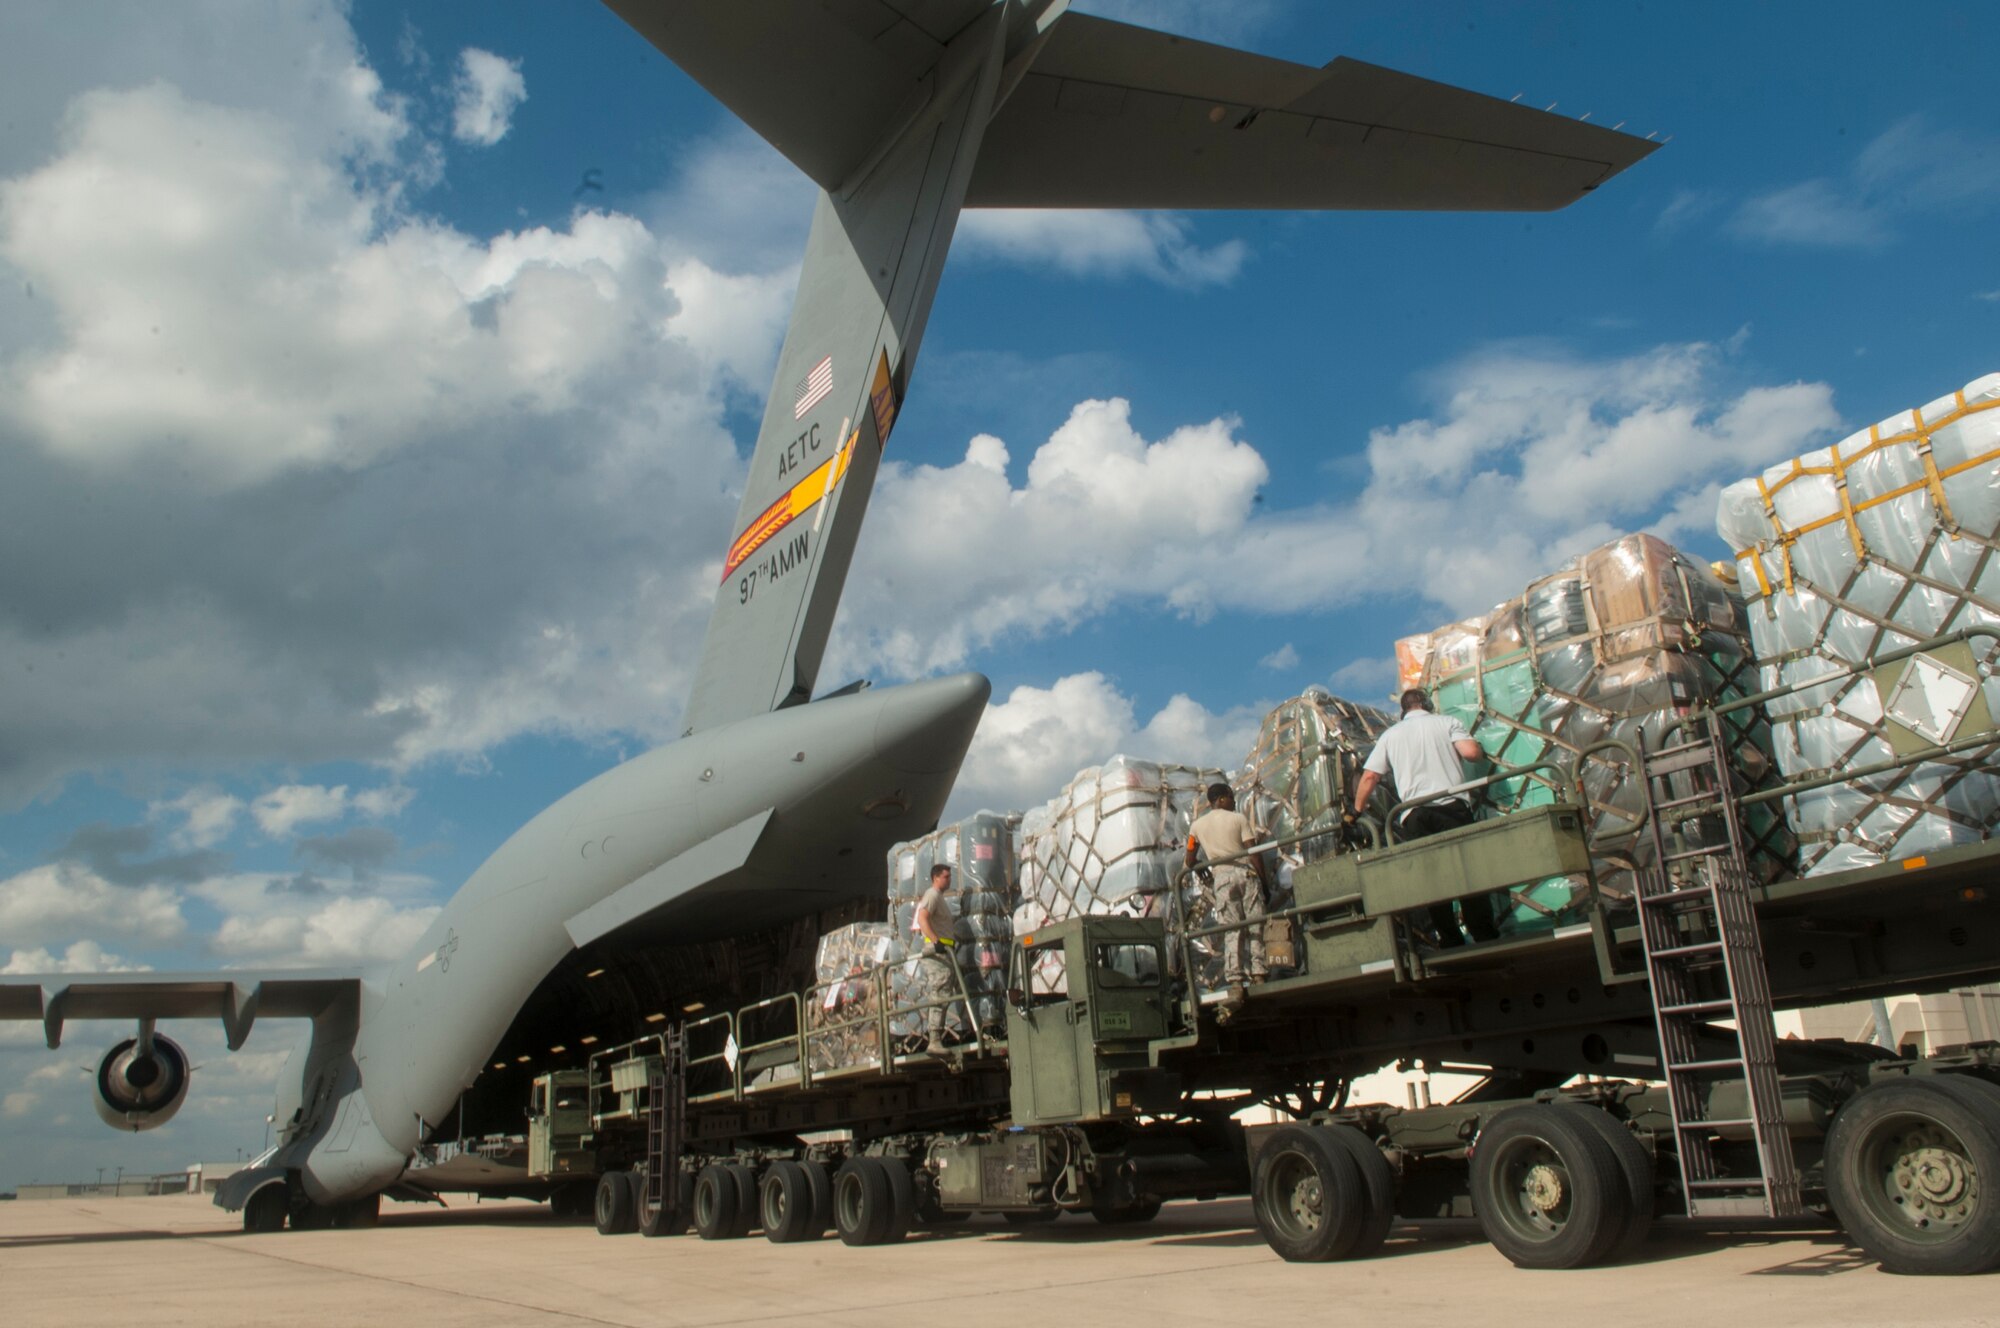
pixel 1613 1083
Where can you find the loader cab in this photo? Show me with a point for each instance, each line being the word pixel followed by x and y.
pixel 1086 997
pixel 559 1124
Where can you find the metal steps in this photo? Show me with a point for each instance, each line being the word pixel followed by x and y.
pixel 1705 963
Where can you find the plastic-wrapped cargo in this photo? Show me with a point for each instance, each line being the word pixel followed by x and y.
pixel 985 885
pixel 1112 842
pixel 1617 645
pixel 1885 539
pixel 843 1031
pixel 1309 751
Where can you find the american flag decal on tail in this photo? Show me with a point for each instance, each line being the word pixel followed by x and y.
pixel 813 389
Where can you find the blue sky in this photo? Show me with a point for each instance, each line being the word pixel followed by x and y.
pixel 309 594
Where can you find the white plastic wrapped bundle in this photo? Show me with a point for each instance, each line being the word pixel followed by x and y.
pixel 1297 778
pixel 1883 540
pixel 1112 842
pixel 843 1030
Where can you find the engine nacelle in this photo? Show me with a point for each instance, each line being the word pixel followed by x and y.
pixel 136 1090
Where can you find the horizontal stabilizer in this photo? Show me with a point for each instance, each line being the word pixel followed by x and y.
pixel 712 860
pixel 1116 116
pixel 237 998
pixel 820 82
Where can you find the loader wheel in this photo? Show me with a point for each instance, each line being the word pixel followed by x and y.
pixel 1635 1164
pixel 785 1199
pixel 669 1219
pixel 1912 1167
pixel 1145 1210
pixel 869 1208
pixel 1378 1188
pixel 747 1211
pixel 1547 1188
pixel 615 1212
pixel 1308 1196
pixel 716 1204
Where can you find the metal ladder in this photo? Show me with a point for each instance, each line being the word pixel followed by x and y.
pixel 666 1100
pixel 1705 962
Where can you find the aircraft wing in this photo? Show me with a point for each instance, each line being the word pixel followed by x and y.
pixel 1115 116
pixel 817 80
pixel 237 998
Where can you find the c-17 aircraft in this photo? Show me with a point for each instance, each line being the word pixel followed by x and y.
pixel 654 885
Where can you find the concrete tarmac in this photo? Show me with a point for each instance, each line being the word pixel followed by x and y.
pixel 167 1261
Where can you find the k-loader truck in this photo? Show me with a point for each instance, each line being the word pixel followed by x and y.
pixel 1627 1065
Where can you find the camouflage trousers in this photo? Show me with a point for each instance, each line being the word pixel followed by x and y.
pixel 934 983
pixel 1236 899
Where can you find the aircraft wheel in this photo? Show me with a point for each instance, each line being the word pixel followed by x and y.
pixel 864 1202
pixel 716 1201
pixel 1636 1165
pixel 614 1209
pixel 1308 1196
pixel 1378 1188
pixel 358 1214
pixel 267 1210
pixel 786 1203
pixel 669 1219
pixel 1913 1171
pixel 1547 1188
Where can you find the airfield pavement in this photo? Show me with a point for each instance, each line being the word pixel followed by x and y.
pixel 165 1261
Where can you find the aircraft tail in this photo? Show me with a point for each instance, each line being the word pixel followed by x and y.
pixel 872 265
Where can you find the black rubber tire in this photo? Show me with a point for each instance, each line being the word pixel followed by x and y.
pixel 747 1216
pixel 573 1202
pixel 358 1214
pixel 716 1200
pixel 1892 1142
pixel 267 1210
pixel 785 1204
pixel 1308 1196
pixel 1031 1218
pixel 1635 1164
pixel 669 1221
pixel 863 1203
pixel 1378 1188
pixel 902 1198
pixel 821 1181
pixel 1125 1215
pixel 1579 1174
pixel 613 1209
pixel 310 1216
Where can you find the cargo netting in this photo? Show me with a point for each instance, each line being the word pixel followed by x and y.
pixel 1620 644
pixel 1298 776
pixel 1885 539
pixel 1111 843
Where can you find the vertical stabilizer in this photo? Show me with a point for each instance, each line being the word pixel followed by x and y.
pixel 872 264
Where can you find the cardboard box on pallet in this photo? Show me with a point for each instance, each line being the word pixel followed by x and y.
pixel 1618 645
pixel 1886 539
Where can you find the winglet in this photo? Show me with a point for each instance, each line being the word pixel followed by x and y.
pixel 679 876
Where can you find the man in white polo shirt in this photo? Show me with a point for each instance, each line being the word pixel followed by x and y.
pixel 1425 754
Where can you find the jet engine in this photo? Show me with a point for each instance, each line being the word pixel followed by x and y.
pixel 142 1082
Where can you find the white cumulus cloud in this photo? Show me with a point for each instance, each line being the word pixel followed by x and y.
pixel 78 957
pixel 1087 242
pixel 63 900
pixel 488 90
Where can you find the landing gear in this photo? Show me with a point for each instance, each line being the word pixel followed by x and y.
pixel 1912 1167
pixel 267 1210
pixel 1547 1188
